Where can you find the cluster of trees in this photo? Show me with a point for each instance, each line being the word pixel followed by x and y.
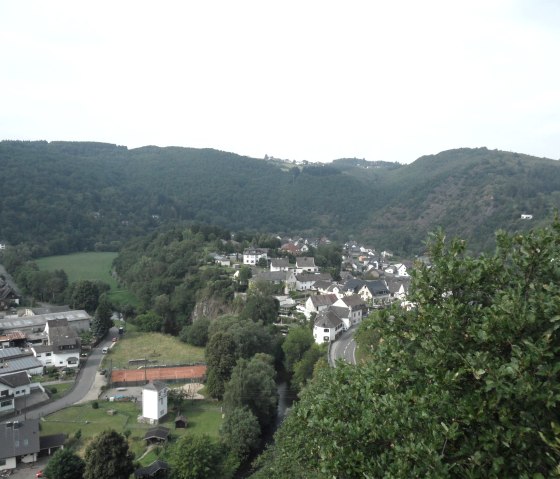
pixel 464 385
pixel 301 355
pixel 107 456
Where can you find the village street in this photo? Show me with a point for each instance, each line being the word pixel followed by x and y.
pixel 344 348
pixel 87 387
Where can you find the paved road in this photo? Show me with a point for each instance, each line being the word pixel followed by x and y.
pixel 84 382
pixel 344 347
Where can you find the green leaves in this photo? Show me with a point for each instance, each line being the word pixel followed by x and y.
pixel 467 385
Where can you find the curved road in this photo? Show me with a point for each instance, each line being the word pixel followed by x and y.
pixel 84 382
pixel 344 348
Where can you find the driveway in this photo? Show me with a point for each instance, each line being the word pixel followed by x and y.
pixel 28 471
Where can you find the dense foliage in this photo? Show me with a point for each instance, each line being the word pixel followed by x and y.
pixel 198 457
pixel 464 385
pixel 107 457
pixel 95 196
pixel 169 272
pixel 64 464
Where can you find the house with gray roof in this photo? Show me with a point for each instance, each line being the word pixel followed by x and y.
pixel 305 264
pixel 327 327
pixel 319 302
pixel 375 292
pixel 355 309
pixel 9 296
pixel 156 470
pixel 279 264
pixel 19 442
pixel 13 386
pixel 30 323
pixel 15 360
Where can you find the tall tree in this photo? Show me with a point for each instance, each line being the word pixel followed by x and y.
pixel 252 385
pixel 220 358
pixel 64 464
pixel 198 457
pixel 108 457
pixel 241 432
pixel 464 385
pixel 85 295
pixel 196 333
pixel 102 321
pixel 150 321
pixel 297 342
pixel 260 307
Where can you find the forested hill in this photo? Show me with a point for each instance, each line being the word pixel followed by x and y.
pixel 70 196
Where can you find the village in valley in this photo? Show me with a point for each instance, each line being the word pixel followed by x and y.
pixel 368 281
pixel 38 343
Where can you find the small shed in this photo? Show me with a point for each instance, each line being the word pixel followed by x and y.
pixel 156 435
pixel 156 470
pixel 180 422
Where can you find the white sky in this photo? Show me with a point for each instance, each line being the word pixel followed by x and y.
pixel 301 80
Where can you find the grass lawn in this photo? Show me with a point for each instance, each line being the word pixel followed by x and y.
pixel 61 389
pixel 204 417
pixel 155 346
pixel 92 266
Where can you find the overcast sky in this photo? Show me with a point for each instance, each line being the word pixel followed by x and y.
pixel 300 80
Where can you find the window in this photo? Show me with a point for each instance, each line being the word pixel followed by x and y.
pixel 5 403
pixel 4 393
pixel 48 354
pixel 2 462
pixel 325 330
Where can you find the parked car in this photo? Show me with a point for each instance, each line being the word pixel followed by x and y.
pixel 39 474
pixel 105 350
pixel 115 340
pixel 103 372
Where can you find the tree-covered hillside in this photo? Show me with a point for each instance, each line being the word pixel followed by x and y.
pixel 62 197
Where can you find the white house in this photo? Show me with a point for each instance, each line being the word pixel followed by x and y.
pixel 375 292
pixel 279 264
pixel 252 256
pixel 154 401
pixel 13 386
pixel 319 302
pixel 355 307
pixel 305 281
pixel 400 270
pixel 306 264
pixel 398 287
pixel 327 327
pixel 63 348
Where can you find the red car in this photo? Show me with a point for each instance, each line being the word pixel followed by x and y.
pixel 39 474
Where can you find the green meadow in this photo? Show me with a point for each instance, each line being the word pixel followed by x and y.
pixel 203 416
pixel 92 266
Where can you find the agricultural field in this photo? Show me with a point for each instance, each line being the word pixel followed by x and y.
pixel 93 266
pixel 204 417
pixel 157 348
